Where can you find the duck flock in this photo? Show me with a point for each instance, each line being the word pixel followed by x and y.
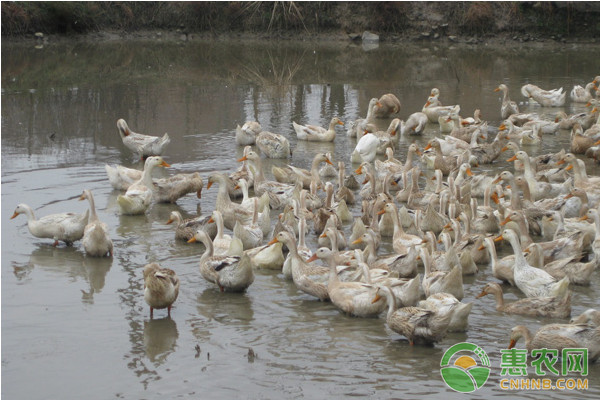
pixel 443 220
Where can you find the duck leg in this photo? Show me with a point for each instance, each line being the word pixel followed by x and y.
pixel 151 312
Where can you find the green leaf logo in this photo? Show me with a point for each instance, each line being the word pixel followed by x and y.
pixel 463 373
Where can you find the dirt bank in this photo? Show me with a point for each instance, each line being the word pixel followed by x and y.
pixel 471 22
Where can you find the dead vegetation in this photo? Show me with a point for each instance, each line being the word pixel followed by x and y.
pixel 286 18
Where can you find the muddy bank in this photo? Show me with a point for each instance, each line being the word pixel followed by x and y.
pixel 470 22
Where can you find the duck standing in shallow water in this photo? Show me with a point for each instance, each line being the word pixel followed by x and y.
pixel 65 227
pixel 161 287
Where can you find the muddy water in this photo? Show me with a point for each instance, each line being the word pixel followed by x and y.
pixel 73 326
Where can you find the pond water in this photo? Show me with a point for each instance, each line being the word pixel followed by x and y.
pixel 74 326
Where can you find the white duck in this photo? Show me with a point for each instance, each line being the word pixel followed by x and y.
pixel 141 144
pixel 246 134
pixel 546 98
pixel 433 109
pixel 509 107
pixel 353 298
pixel 314 133
pixel 581 94
pixel 367 124
pixel 222 241
pixel 273 145
pixel 366 149
pixel 230 273
pixel 166 190
pixel 65 227
pixel 533 282
pixel 96 240
pixel 251 234
pixel 139 196
pixel 414 125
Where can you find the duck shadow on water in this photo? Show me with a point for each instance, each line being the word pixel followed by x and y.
pixel 71 263
pixel 160 339
pixel 225 307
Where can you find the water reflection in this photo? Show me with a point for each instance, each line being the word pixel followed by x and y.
pixel 160 339
pixel 71 262
pixel 62 132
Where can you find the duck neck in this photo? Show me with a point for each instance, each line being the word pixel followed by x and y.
pixel 505 98
pixel 391 300
pixel 493 256
pixel 301 232
pixel 220 224
pixel 259 177
pixel 146 178
pixel 527 171
pixel 209 252
pixel 29 213
pixel 499 299
pixel 409 161
pixel 93 215
pixel 341 174
pixel 333 276
pixel 255 212
pixel 398 230
pixel 223 193
pixel 516 246
pixel 374 223
pixel 245 195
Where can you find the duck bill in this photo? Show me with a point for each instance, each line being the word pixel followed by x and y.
pixel 242 159
pixel 506 221
pixel 164 164
pixel 381 212
pixel 495 198
pixel 513 158
pixel 312 258
pixel 419 152
pixel 504 149
pixel 328 161
pixel 502 127
pixel 357 241
pixel 584 218
pixel 497 89
pixel 14 215
pixel 498 179
pixel 469 172
pixel 170 221
pixel 340 123
pixel 209 185
pixel 481 247
pixel 427 147
pixel 570 167
pixel 376 299
pixel 199 193
pixel 273 242
pixel 480 295
pixel 561 161
pixel 499 239
pixel 512 343
pixel 358 171
pixel 192 240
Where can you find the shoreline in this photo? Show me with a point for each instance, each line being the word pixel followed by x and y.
pixel 322 37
